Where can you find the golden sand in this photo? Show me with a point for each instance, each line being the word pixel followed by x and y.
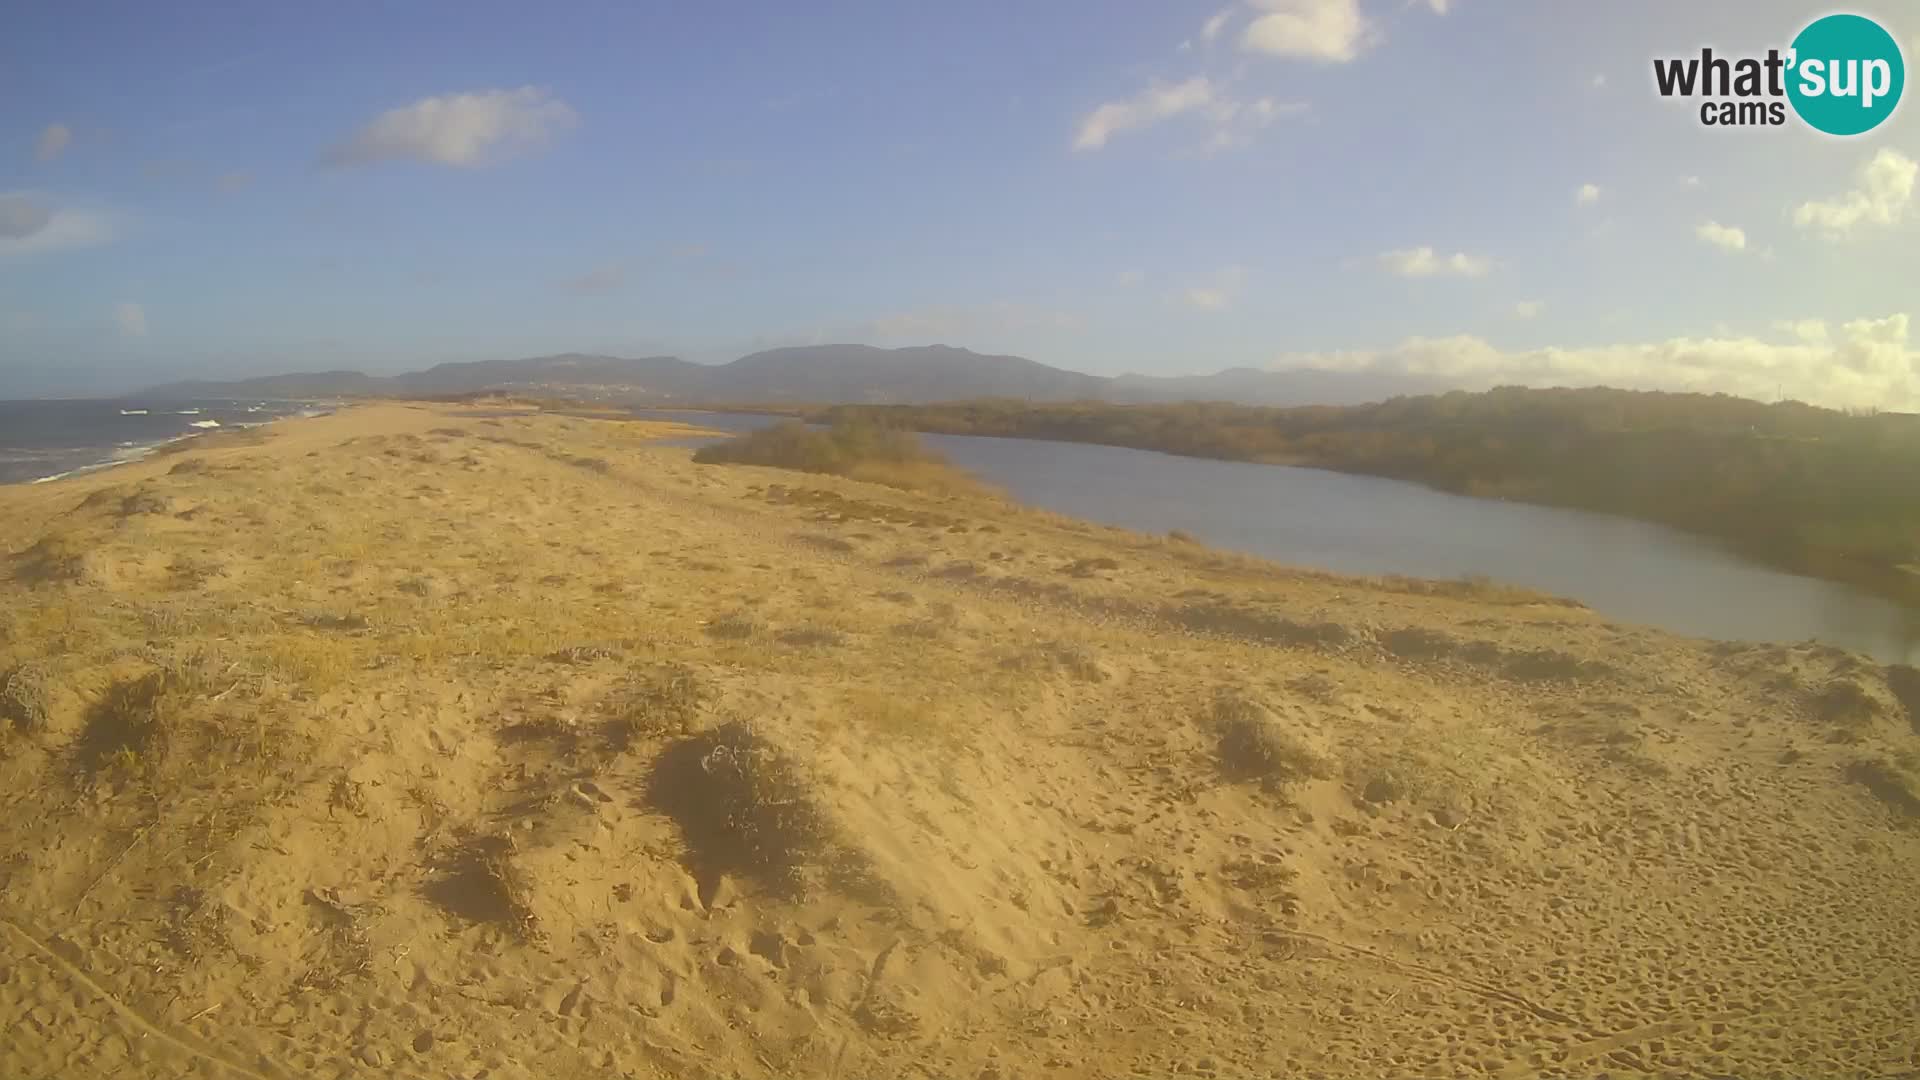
pixel 414 741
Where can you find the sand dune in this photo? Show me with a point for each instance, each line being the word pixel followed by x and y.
pixel 426 743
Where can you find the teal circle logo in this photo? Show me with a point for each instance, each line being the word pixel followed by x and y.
pixel 1846 74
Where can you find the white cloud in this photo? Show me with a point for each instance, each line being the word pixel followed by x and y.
pixel 1587 194
pixel 1725 237
pixel 1528 309
pixel 1156 102
pixel 1426 262
pixel 52 142
pixel 460 130
pixel 1231 120
pixel 1811 331
pixel 1871 362
pixel 1439 7
pixel 30 224
pixel 1214 24
pixel 1331 31
pixel 1886 189
pixel 1690 181
pixel 1599 82
pixel 1218 293
pixel 131 318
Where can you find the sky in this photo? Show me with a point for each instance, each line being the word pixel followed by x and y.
pixel 1487 190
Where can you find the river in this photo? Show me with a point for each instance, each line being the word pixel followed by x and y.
pixel 1628 570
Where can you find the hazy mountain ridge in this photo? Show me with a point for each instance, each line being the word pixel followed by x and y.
pixel 817 374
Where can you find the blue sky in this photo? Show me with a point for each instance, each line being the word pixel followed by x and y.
pixel 1164 187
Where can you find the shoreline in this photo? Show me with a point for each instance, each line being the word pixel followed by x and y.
pixel 131 454
pixel 1466 587
pixel 1893 583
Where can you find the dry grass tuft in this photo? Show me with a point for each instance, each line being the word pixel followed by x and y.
pixel 1898 787
pixel 1076 661
pixel 1084 568
pixel 826 543
pixel 132 726
pixel 196 924
pixel 1253 745
pixel 56 557
pixel 661 702
pixel 1904 682
pixel 736 626
pixel 1254 625
pixel 811 637
pixel 481 883
pixel 1846 705
pixel 23 699
pixel 744 807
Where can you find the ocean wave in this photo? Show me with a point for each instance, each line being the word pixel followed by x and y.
pixel 45 464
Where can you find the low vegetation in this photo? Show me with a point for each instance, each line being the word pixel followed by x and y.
pixel 744 807
pixel 135 721
pixel 23 700
pixel 1808 489
pixel 661 702
pixel 854 448
pixel 1895 783
pixel 481 882
pixel 1254 745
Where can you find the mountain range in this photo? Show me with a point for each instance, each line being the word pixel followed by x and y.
pixel 817 374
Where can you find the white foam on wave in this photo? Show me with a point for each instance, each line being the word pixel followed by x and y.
pixel 128 452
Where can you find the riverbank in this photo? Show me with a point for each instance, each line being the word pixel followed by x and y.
pixel 430 740
pixel 1809 490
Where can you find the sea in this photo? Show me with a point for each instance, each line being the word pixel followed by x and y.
pixel 47 440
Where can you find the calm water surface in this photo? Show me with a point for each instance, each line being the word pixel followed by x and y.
pixel 1628 570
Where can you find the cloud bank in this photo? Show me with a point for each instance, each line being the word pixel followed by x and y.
pixel 1859 364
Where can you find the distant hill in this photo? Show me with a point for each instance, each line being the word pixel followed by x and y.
pixel 663 375
pixel 817 374
pixel 862 373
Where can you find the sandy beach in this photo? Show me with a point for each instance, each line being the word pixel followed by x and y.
pixel 427 741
